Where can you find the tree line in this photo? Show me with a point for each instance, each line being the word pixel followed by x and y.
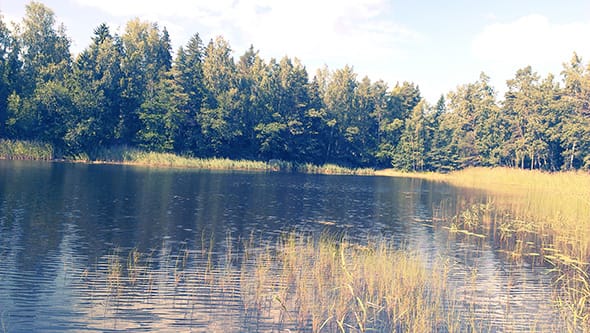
pixel 131 90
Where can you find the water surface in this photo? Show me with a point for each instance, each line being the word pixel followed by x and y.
pixel 62 224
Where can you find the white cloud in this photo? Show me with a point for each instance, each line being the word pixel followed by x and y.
pixel 168 8
pixel 530 40
pixel 316 31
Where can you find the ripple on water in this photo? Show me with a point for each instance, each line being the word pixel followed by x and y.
pixel 66 234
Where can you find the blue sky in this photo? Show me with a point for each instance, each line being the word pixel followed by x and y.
pixel 435 44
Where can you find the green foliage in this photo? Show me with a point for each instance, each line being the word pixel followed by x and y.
pixel 575 121
pixel 146 59
pixel 188 74
pixel 220 127
pixel 128 91
pixel 409 155
pixel 5 44
pixel 475 124
pixel 162 112
pixel 40 98
pixel 97 94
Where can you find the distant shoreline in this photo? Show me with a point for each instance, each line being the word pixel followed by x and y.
pixel 475 177
pixel 35 151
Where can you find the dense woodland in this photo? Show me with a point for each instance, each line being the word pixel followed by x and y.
pixel 132 90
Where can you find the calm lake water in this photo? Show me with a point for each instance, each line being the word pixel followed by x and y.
pixel 62 224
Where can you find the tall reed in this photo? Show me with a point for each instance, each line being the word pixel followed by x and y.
pixel 299 283
pixel 332 169
pixel 133 156
pixel 544 216
pixel 127 155
pixel 25 150
pixel 337 286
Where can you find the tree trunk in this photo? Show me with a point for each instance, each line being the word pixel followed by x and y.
pixel 572 157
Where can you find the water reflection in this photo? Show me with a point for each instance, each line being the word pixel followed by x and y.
pixel 63 227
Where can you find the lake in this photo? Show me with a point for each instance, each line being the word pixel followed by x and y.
pixel 66 228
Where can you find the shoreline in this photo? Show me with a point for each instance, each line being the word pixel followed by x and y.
pixel 498 178
pixel 34 151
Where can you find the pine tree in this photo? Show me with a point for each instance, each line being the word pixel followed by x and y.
pixel 97 76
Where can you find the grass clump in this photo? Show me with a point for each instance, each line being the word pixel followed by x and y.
pixel 25 150
pixel 298 283
pixel 337 286
pixel 545 216
pixel 332 169
pixel 133 156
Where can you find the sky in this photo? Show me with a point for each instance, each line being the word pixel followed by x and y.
pixel 437 45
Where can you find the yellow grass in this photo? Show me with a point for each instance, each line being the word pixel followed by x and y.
pixel 338 286
pixel 535 214
pixel 555 202
pixel 131 156
pixel 299 283
pixel 558 203
pixel 403 174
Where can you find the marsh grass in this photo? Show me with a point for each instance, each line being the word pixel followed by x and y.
pixel 300 283
pixel 25 150
pixel 133 156
pixel 31 150
pixel 332 169
pixel 537 217
pixel 554 208
pixel 126 155
pixel 549 204
pixel 337 286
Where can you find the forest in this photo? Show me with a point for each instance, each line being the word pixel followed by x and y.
pixel 132 90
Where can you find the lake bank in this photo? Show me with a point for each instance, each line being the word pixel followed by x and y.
pixel 31 150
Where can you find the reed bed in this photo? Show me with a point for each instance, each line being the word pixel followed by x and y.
pixel 31 150
pixel 133 156
pixel 332 169
pixel 25 150
pixel 553 204
pixel 298 284
pixel 538 217
pixel 126 155
pixel 546 203
pixel 337 286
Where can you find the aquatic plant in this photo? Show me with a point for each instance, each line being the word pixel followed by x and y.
pixel 127 155
pixel 300 282
pixel 332 169
pixel 25 150
pixel 538 217
pixel 335 285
